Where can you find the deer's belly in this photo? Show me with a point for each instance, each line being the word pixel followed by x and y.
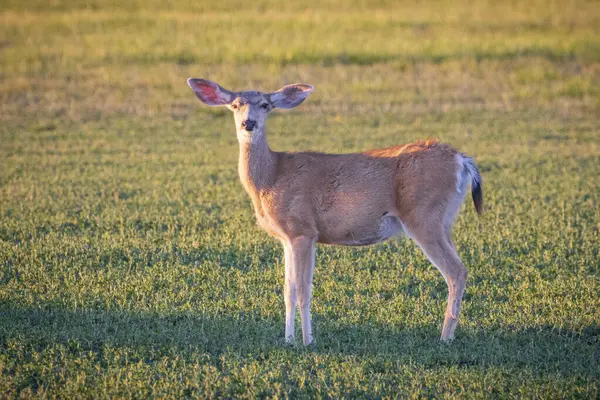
pixel 364 233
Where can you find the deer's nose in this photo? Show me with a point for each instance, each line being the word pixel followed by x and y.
pixel 249 124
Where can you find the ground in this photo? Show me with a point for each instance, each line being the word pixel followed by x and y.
pixel 130 261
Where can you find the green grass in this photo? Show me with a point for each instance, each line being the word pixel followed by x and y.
pixel 130 261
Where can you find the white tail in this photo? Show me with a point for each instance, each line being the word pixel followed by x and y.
pixel 347 199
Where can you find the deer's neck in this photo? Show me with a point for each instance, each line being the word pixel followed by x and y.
pixel 257 163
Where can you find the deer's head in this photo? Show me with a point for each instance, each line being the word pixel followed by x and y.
pixel 250 108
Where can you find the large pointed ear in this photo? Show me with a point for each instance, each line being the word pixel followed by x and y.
pixel 290 96
pixel 211 93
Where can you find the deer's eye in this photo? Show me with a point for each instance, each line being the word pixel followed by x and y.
pixel 234 106
pixel 264 105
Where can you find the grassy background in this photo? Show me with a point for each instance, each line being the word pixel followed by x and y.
pixel 130 262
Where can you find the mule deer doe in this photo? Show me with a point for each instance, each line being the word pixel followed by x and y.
pixel 347 199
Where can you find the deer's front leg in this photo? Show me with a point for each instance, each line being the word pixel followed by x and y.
pixel 289 293
pixel 303 261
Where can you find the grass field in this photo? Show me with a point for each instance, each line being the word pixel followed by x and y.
pixel 130 261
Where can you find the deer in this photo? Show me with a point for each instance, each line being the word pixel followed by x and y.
pixel 357 199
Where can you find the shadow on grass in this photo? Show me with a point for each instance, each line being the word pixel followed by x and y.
pixel 545 350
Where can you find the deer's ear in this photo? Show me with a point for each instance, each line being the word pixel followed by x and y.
pixel 210 92
pixel 291 95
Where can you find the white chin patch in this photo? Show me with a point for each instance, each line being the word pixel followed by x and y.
pixel 245 136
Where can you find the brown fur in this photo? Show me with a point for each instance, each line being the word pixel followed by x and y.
pixel 347 199
pixel 318 195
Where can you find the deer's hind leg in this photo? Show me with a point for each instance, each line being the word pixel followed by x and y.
pixel 435 239
pixel 440 250
pixel 430 225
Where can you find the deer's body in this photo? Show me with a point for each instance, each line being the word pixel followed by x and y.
pixel 318 195
pixel 347 199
